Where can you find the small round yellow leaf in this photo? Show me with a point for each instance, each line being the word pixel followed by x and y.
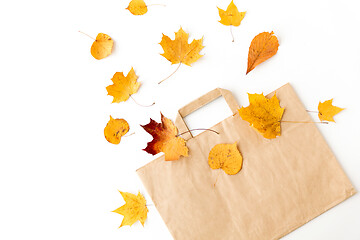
pixel 227 157
pixel 102 46
pixel 115 129
pixel 137 7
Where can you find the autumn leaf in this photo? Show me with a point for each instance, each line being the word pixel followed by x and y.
pixel 327 111
pixel 227 157
pixel 137 7
pixel 263 114
pixel 262 47
pixel 231 17
pixel 115 129
pixel 123 86
pixel 165 139
pixel 102 46
pixel 179 51
pixel 133 210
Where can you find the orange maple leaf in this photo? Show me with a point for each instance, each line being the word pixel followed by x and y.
pixel 232 16
pixel 133 210
pixel 327 111
pixel 179 51
pixel 165 139
pixel 123 86
pixel 262 47
pixel 263 114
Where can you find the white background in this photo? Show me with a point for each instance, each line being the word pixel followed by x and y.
pixel 59 177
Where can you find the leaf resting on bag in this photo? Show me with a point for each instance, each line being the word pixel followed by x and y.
pixel 232 16
pixel 179 51
pixel 102 46
pixel 227 157
pixel 262 47
pixel 327 111
pixel 123 86
pixel 165 139
pixel 263 114
pixel 137 7
pixel 133 210
pixel 115 129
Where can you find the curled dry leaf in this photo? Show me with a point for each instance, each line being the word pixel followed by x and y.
pixel 262 47
pixel 227 157
pixel 263 114
pixel 137 7
pixel 327 111
pixel 179 51
pixel 133 210
pixel 165 139
pixel 123 86
pixel 115 129
pixel 102 46
pixel 232 16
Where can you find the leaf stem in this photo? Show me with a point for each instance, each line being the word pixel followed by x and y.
pixel 87 35
pixel 171 74
pixel 312 111
pixel 302 122
pixel 198 129
pixel 129 134
pixel 141 104
pixel 217 177
pixel 232 35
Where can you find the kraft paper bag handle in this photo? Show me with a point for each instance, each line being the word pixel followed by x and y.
pixel 200 102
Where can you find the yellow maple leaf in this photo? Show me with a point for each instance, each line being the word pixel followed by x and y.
pixel 179 51
pixel 115 129
pixel 232 16
pixel 263 114
pixel 327 111
pixel 262 47
pixel 227 157
pixel 137 7
pixel 123 86
pixel 102 46
pixel 165 139
pixel 133 210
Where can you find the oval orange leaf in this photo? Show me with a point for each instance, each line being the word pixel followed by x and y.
pixel 137 7
pixel 227 157
pixel 102 46
pixel 115 129
pixel 262 47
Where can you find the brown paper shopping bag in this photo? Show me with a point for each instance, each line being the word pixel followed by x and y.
pixel 284 182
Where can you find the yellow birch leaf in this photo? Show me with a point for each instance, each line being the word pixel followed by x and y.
pixel 227 157
pixel 133 210
pixel 123 86
pixel 231 17
pixel 262 47
pixel 102 46
pixel 263 114
pixel 115 129
pixel 137 7
pixel 327 111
